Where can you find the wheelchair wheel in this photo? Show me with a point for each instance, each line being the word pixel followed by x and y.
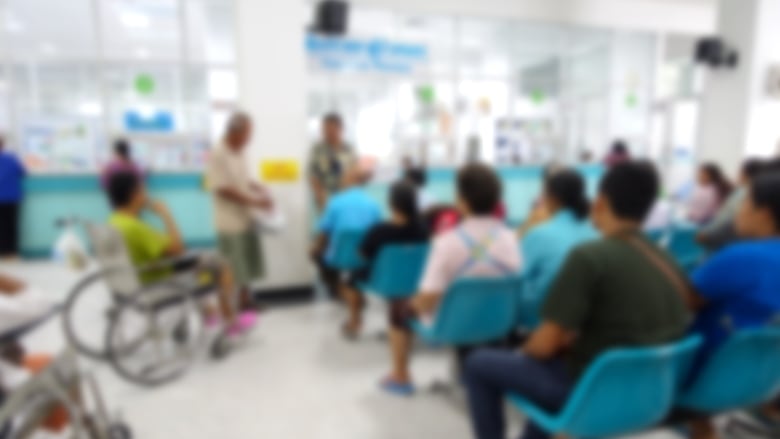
pixel 221 347
pixel 86 315
pixel 119 431
pixel 151 346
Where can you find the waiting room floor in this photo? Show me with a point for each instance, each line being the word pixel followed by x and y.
pixel 295 378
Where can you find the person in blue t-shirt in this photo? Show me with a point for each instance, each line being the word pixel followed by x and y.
pixel 352 209
pixel 12 175
pixel 558 224
pixel 739 288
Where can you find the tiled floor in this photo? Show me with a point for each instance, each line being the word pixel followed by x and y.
pixel 295 378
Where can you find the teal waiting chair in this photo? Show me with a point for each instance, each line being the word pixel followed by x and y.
pixel 684 248
pixel 624 391
pixel 742 373
pixel 473 311
pixel 344 252
pixel 397 271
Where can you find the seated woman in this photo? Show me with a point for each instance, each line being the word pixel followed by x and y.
pixel 480 246
pixel 712 190
pixel 404 226
pixel 738 287
pixel 561 224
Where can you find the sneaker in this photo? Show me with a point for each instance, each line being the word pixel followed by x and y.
pixel 391 386
pixel 244 322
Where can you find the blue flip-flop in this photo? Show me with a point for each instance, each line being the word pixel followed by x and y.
pixel 398 389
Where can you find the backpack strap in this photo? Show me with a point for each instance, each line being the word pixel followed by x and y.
pixel 479 252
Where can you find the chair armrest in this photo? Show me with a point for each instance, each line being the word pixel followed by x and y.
pixel 547 422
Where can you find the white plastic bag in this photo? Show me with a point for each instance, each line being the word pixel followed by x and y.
pixel 69 249
pixel 270 221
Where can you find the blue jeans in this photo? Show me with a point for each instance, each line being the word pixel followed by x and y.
pixel 491 374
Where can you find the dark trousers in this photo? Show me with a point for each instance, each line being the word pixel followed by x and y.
pixel 9 229
pixel 491 374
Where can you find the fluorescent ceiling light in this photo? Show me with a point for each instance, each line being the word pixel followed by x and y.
pixel 134 20
pixel 48 48
pixel 142 53
pixel 90 108
pixel 14 26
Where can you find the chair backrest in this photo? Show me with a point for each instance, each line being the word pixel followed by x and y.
pixel 398 269
pixel 683 246
pixel 477 310
pixel 344 252
pixel 111 253
pixel 744 372
pixel 628 390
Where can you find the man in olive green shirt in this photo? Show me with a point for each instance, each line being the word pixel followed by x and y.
pixel 619 291
pixel 329 160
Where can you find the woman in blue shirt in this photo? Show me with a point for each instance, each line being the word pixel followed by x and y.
pixel 558 224
pixel 12 174
pixel 739 288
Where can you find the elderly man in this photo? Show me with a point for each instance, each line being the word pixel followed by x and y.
pixel 329 160
pixel 235 196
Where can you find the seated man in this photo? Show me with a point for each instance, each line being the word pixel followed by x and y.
pixel 352 209
pixel 739 288
pixel 618 291
pixel 146 245
pixel 480 246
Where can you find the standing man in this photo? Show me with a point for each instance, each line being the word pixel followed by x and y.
pixel 329 161
pixel 12 175
pixel 235 196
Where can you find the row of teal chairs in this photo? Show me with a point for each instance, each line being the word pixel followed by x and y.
pixel 630 390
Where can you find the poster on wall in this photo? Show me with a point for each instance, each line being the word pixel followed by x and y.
pixel 58 145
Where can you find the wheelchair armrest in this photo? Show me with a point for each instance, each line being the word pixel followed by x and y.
pixel 164 264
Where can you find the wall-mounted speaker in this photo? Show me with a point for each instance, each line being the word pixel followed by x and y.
pixel 715 53
pixel 332 17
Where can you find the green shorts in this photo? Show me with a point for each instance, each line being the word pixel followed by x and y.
pixel 244 255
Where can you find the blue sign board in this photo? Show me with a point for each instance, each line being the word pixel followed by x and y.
pixel 158 122
pixel 375 54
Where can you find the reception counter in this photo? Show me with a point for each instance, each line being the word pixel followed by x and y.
pixel 49 198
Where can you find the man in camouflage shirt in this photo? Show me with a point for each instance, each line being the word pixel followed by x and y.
pixel 329 160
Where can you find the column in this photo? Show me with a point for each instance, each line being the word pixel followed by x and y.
pixel 738 117
pixel 272 79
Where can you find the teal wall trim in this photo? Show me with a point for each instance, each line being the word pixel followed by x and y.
pixel 49 198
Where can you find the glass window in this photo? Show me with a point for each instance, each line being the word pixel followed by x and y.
pixel 210 33
pixel 58 108
pixel 45 29
pixel 141 29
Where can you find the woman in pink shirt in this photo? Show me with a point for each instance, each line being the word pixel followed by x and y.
pixel 121 164
pixel 712 189
pixel 479 246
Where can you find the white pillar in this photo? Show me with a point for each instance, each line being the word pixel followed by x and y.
pixel 738 118
pixel 272 78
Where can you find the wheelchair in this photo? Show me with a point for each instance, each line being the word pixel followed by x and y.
pixel 152 330
pixel 59 385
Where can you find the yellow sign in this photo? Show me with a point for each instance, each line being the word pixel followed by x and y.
pixel 279 171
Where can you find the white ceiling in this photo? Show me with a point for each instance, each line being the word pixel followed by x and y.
pixel 131 29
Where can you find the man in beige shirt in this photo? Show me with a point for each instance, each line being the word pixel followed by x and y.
pixel 235 196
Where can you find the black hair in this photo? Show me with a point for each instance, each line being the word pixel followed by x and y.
pixel 417 176
pixel 752 167
pixel 403 198
pixel 122 148
pixel 772 166
pixel 620 147
pixel 333 118
pixel 718 178
pixel 121 188
pixel 479 187
pixel 631 188
pixel 765 193
pixel 568 188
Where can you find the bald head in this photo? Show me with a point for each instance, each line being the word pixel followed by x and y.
pixel 239 130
